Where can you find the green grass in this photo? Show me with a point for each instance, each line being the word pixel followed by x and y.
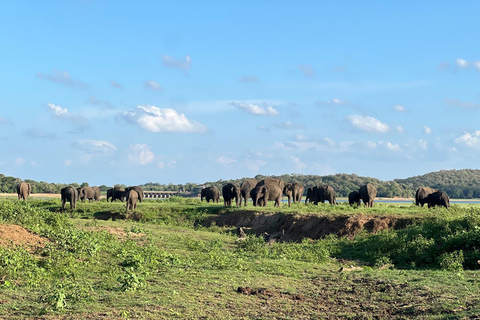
pixel 163 266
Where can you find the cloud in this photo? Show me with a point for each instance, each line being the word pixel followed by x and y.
pixel 63 78
pixel 390 146
pixel 461 63
pixel 181 64
pixel 299 165
pixel 464 64
pixel 140 154
pixel 399 108
pixel 422 144
pixel 307 70
pixel 254 165
pixel 20 161
pixel 95 147
pixel 248 79
pixel 93 100
pixel 57 112
pixel 154 119
pixel 255 109
pixel 427 130
pixel 400 129
pixel 462 104
pixel 225 160
pixel 115 84
pixel 152 85
pixel 67 163
pixel 300 137
pixel 368 124
pixel 38 133
pixel 471 140
pixel 287 125
pixel 4 122
pixel 333 102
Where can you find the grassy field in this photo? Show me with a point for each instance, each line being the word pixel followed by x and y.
pixel 165 261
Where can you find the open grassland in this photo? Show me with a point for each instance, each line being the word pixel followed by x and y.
pixel 173 260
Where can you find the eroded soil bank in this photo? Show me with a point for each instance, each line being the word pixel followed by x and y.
pixel 288 227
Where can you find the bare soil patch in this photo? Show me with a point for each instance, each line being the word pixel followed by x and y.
pixel 288 227
pixel 14 235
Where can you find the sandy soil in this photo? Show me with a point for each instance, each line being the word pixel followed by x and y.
pixel 11 234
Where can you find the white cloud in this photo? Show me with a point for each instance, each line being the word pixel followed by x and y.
pixel 95 146
pixel 399 108
pixel 67 163
pixel 152 85
pixel 299 165
pixel 427 130
pixel 368 124
pixel 389 145
pixel 333 102
pixel 156 119
pixel 63 78
pixel 329 141
pixel 307 70
pixel 471 140
pixel 161 164
pixel 171 164
pixel 182 64
pixel 254 165
pixel 371 144
pixel 300 137
pixel 20 161
pixel 287 125
pixel 225 160
pixel 400 129
pixel 63 114
pixel 461 63
pixel 255 109
pixel 422 144
pixel 140 154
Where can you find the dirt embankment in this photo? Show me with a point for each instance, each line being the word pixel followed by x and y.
pixel 14 235
pixel 287 227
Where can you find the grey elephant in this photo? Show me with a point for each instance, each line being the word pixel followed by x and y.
pixel 310 193
pixel 293 191
pixel 116 193
pixel 438 198
pixel 354 198
pixel 210 193
pixel 368 193
pixel 324 193
pixel 267 192
pixel 23 190
pixel 230 192
pixel 69 194
pixel 422 194
pixel 261 201
pixel 271 192
pixel 96 196
pixel 132 197
pixel 245 190
pixel 137 189
pixel 86 193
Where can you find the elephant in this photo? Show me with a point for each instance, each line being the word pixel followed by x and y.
pixel 310 193
pixel 267 192
pixel 245 190
pixel 368 193
pixel 69 194
pixel 271 183
pixel 116 193
pixel 438 198
pixel 86 193
pixel 96 197
pixel 210 193
pixel 354 198
pixel 324 193
pixel 132 197
pixel 229 192
pixel 261 201
pixel 23 190
pixel 422 194
pixel 137 189
pixel 294 191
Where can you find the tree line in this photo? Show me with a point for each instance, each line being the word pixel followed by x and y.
pixel 458 184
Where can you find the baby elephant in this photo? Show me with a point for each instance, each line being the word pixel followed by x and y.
pixel 132 197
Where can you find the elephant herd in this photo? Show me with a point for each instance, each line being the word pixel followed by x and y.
pixel 272 189
pixel 70 194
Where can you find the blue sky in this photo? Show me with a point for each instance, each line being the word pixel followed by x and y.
pixel 133 92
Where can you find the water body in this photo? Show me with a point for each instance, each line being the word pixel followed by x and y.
pixel 393 201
